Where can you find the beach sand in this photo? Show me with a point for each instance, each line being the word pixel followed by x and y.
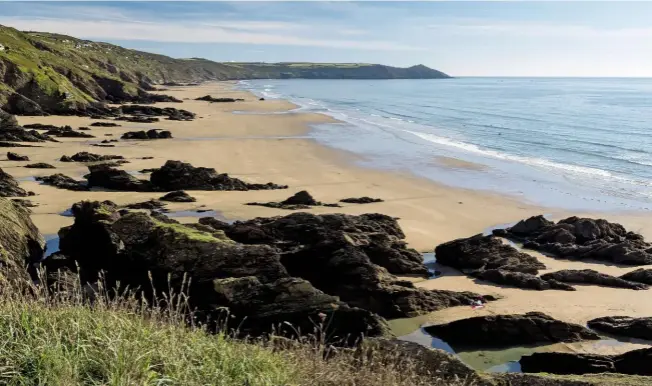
pixel 274 147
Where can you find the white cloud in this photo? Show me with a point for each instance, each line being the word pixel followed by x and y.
pixel 246 32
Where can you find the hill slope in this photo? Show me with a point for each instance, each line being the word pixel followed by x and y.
pixel 49 73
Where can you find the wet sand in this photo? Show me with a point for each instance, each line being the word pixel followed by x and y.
pixel 259 147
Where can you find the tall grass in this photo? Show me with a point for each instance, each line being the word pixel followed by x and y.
pixel 66 339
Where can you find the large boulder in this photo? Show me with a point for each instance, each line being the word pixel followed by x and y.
pixel 640 275
pixel 9 186
pixel 510 330
pixel 16 157
pixel 156 253
pixel 520 280
pixel 486 252
pixel 178 196
pixel 582 238
pixel 62 181
pixel 589 276
pixel 107 177
pixel 21 243
pixel 177 175
pixel 11 131
pixel 640 328
pixel 352 257
pixel 85 156
pixel 299 200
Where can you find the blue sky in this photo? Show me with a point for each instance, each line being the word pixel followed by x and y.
pixel 461 38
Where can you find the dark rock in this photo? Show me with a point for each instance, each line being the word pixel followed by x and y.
pixel 150 134
pixel 20 241
pixel 361 200
pixel 11 131
pixel 63 182
pixel 9 186
pixel 150 170
pixel 486 252
pixel 300 200
pixel 102 145
pixel 261 99
pixel 149 204
pixel 510 330
pixel 138 119
pixel 352 257
pixel 40 126
pixel 209 98
pixel 16 157
pixel 177 175
pixel 107 177
pixel 12 144
pixel 109 141
pixel 40 165
pixel 640 275
pixel 67 132
pixel 150 111
pixel 589 276
pixel 640 328
pixel 90 157
pixel 178 196
pixel 520 280
pixel 24 203
pixel 582 238
pixel 636 362
pixel 83 128
pixel 104 124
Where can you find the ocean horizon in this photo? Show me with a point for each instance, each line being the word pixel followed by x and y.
pixel 568 143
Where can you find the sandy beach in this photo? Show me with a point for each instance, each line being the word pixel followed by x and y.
pixel 265 141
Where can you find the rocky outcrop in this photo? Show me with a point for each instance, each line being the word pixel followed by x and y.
pixel 62 181
pixel 581 238
pixel 640 328
pixel 67 132
pixel 11 131
pixel 520 280
pixel 177 175
pixel 510 330
pixel 148 252
pixel 300 200
pixel 105 176
pixel 209 98
pixel 85 156
pixel 150 134
pixel 150 111
pixel 178 196
pixel 149 204
pixel 16 157
pixel 636 362
pixel 640 275
pixel 352 257
pixel 486 252
pixel 21 244
pixel 360 200
pixel 9 186
pixel 40 165
pixel 589 276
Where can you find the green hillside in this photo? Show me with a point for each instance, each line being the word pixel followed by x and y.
pixel 43 72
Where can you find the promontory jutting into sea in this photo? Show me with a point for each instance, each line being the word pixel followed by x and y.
pixel 235 194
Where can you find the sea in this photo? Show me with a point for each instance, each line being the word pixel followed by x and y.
pixel 566 143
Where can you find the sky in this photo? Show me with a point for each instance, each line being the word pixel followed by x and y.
pixel 461 38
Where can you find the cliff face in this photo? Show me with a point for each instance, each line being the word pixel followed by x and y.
pixel 49 73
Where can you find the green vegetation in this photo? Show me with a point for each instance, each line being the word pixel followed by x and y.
pixel 180 230
pixel 61 73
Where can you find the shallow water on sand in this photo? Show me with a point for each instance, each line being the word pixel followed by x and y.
pixel 581 144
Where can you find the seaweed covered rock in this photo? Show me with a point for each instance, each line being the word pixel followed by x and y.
pixel 145 251
pixel 640 328
pixel 85 156
pixel 150 111
pixel 105 176
pixel 510 330
pixel 352 257
pixel 486 252
pixel 62 181
pixel 104 124
pixel 178 196
pixel 300 200
pixel 40 165
pixel 177 175
pixel 16 157
pixel 149 204
pixel 635 362
pixel 150 134
pixel 360 200
pixel 21 243
pixel 582 238
pixel 9 186
pixel 589 276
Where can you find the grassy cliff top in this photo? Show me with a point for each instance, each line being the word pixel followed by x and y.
pixel 59 73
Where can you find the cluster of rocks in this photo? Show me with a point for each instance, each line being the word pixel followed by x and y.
pixel 150 134
pixel 283 272
pixel 209 98
pixel 300 200
pixel 11 131
pixel 62 181
pixel 104 124
pixel 360 200
pixel 9 187
pixel 635 362
pixel 581 238
pixel 67 132
pixel 140 111
pixel 85 156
